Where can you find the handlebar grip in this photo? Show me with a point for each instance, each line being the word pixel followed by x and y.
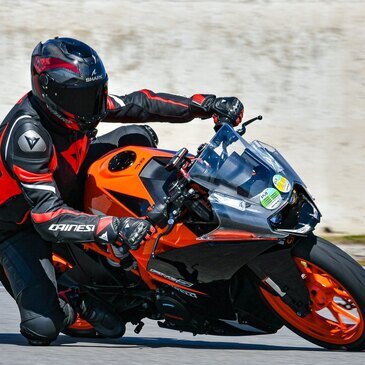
pixel 221 121
pixel 158 215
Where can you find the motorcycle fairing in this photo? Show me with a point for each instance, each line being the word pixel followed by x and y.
pixel 202 263
pixel 183 257
pixel 104 185
pixel 237 174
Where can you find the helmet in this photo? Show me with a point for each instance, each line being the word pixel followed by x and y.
pixel 69 80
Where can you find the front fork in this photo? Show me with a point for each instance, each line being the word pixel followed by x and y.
pixel 278 272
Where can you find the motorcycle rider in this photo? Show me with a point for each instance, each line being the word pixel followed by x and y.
pixel 47 142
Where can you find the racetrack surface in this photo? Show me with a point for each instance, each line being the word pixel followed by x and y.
pixel 158 346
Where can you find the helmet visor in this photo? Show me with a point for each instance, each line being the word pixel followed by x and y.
pixel 84 102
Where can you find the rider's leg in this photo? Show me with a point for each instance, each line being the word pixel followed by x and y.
pixel 27 262
pixel 130 135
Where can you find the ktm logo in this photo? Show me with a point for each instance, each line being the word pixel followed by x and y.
pixel 72 227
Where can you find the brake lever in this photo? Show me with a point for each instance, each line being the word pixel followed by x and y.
pixel 170 225
pixel 242 130
pixel 174 214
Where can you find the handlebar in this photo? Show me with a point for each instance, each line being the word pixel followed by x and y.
pixel 166 213
pixel 242 130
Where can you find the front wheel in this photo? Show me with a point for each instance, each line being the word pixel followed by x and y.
pixel 336 285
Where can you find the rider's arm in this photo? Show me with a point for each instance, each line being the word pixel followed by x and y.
pixel 31 158
pixel 146 106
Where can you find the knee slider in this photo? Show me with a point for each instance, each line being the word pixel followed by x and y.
pixel 40 330
pixel 131 135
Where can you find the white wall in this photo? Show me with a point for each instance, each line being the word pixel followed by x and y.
pixel 299 63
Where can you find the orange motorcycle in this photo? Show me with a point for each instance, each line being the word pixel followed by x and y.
pixel 234 252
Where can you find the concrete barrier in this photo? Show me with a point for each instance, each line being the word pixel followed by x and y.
pixel 299 63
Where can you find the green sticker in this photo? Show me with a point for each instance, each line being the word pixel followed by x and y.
pixel 270 198
pixel 281 183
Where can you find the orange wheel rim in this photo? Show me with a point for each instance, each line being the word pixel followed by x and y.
pixel 335 316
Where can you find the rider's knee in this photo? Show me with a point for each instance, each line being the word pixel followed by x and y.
pixel 136 135
pixel 151 135
pixel 40 330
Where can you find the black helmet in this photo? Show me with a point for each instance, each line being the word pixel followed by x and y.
pixel 69 79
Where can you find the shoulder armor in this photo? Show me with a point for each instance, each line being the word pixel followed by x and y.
pixel 31 137
pixel 28 141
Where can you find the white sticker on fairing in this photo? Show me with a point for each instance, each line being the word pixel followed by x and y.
pixel 270 198
pixel 281 183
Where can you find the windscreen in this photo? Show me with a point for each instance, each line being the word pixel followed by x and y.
pixel 253 171
pixel 248 183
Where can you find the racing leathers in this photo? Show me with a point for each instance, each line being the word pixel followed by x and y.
pixel 42 173
pixel 41 161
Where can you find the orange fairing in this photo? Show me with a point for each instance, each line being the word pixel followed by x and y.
pixel 98 200
pixel 60 264
pixel 80 324
pixel 231 235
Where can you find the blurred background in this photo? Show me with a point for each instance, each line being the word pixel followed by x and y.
pixel 301 64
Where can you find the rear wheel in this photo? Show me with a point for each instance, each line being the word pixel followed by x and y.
pixel 336 285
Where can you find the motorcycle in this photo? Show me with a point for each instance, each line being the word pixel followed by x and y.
pixel 234 253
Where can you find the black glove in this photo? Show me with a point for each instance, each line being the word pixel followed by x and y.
pixel 133 232
pixel 118 231
pixel 227 110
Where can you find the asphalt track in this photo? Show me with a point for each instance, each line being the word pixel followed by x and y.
pixel 158 346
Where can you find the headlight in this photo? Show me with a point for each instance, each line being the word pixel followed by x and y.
pixel 299 216
pixel 293 198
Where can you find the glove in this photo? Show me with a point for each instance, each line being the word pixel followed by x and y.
pixel 131 232
pixel 134 232
pixel 227 110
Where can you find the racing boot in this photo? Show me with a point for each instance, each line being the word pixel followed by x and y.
pixel 104 321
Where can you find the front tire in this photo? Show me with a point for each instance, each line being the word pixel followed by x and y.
pixel 336 284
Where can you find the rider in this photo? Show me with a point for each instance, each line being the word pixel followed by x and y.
pixel 47 142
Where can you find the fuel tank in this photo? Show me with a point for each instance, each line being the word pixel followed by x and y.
pixel 126 181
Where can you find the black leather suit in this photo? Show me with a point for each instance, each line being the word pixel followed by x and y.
pixel 42 167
